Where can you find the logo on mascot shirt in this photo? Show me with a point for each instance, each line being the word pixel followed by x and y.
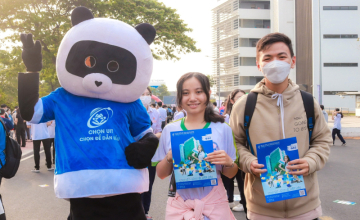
pixel 99 116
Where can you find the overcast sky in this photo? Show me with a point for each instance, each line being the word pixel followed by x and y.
pixel 197 14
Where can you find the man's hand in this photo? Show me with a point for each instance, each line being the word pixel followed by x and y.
pixel 31 54
pixel 300 164
pixel 256 168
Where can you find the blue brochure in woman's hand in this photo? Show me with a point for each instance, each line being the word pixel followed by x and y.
pixel 277 183
pixel 189 148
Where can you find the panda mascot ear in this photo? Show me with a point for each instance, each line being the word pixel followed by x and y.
pixel 147 31
pixel 80 14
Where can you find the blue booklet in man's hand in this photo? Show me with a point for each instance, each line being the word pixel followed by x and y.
pixel 277 183
pixel 189 149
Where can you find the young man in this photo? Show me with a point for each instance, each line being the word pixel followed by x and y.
pixel 162 113
pixel 336 116
pixel 9 125
pixel 326 116
pixel 279 112
pixel 40 134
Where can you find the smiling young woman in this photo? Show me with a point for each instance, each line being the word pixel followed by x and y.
pixel 193 95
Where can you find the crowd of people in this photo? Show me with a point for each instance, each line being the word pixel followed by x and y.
pixel 278 103
pixel 24 131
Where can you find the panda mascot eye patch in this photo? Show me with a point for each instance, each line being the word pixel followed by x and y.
pixel 115 62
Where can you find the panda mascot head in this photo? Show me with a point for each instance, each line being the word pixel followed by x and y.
pixel 105 58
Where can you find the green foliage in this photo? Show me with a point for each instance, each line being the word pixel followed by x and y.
pixel 49 20
pixel 160 91
pixel 211 79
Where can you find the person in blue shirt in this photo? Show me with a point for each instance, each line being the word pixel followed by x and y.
pixel 2 158
pixel 9 125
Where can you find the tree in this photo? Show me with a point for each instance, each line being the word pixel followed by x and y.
pixel 212 80
pixel 160 91
pixel 49 20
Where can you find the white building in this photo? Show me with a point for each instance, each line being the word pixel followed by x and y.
pixel 336 51
pixel 237 26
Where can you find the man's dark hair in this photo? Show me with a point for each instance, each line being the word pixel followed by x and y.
pixel 2 111
pixel 159 104
pixel 3 106
pixel 215 104
pixel 265 42
pixel 322 107
pixel 153 105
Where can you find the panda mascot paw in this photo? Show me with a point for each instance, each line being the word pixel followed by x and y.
pixel 31 54
pixel 139 154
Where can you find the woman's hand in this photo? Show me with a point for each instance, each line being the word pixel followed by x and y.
pixel 219 157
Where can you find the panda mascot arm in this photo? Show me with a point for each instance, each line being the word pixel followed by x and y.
pixel 28 83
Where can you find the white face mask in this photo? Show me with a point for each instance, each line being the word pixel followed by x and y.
pixel 145 100
pixel 276 71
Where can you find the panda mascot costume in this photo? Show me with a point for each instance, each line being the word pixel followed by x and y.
pixel 104 140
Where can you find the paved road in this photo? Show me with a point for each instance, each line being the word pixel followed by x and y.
pixel 25 199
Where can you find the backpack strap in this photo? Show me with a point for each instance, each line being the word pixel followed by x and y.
pixel 308 101
pixel 249 111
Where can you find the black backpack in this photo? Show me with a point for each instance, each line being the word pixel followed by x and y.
pixel 308 101
pixel 12 156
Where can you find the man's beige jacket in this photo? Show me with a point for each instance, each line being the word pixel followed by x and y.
pixel 266 126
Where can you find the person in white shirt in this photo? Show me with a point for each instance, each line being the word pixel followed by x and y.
pixel 51 130
pixel 156 127
pixel 336 116
pixel 194 96
pixel 40 134
pixel 180 113
pixel 216 110
pixel 162 113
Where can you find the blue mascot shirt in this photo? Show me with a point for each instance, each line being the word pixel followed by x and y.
pixel 91 137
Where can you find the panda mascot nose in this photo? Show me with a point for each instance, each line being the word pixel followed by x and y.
pixel 97 83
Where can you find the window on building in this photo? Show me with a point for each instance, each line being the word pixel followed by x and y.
pixel 340 36
pixel 254 4
pixel 236 5
pixel 340 64
pixel 236 61
pixel 340 8
pixel 349 36
pixel 332 35
pixel 236 80
pixel 335 92
pixel 254 23
pixel 236 24
pixel 247 61
pixel 250 80
pixel 236 42
pixel 248 42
